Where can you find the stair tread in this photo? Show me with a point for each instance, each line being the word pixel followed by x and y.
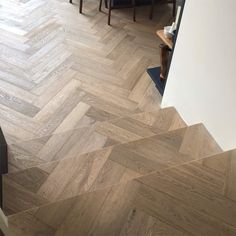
pixel 106 167
pixel 195 198
pixel 103 134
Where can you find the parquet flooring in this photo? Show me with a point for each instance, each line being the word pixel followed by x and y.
pixel 92 137
pixel 110 166
pixel 197 198
pixel 90 150
pixel 59 68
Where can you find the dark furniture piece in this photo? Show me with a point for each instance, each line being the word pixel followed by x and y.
pixel 111 5
pixel 155 73
pixel 167 1
pixel 118 4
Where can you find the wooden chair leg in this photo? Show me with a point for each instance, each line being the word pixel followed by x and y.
pixel 106 5
pixel 152 9
pixel 109 13
pixel 100 5
pixel 174 8
pixel 134 10
pixel 80 6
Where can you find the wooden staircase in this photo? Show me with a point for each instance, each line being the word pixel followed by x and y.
pixel 143 174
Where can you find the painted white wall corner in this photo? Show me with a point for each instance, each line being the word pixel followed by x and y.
pixel 202 78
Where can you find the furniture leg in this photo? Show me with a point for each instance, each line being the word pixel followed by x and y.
pixel 71 1
pixel 151 10
pixel 80 6
pixel 109 13
pixel 100 5
pixel 164 60
pixel 134 10
pixel 106 5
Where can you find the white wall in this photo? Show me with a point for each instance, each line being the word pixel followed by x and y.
pixel 202 78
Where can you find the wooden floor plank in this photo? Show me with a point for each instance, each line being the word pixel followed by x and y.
pixel 45 51
pixel 96 170
pixel 190 199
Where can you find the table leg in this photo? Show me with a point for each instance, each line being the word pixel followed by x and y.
pixel 164 56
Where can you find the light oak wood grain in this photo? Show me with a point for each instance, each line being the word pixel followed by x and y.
pixel 190 199
pixel 92 136
pixel 59 68
pixel 106 167
pixel 91 152
pixel 168 42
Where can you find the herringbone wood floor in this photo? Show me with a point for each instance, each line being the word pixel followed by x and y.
pixel 78 141
pixel 61 70
pixel 86 156
pixel 63 179
pixel 197 198
pixel 93 163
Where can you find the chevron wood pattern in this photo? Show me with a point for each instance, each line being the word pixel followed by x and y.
pixel 86 139
pixel 91 152
pixel 197 198
pixel 60 69
pixel 110 166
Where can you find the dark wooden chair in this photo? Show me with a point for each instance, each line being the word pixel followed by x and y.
pixel 80 5
pixel 168 1
pixel 110 5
